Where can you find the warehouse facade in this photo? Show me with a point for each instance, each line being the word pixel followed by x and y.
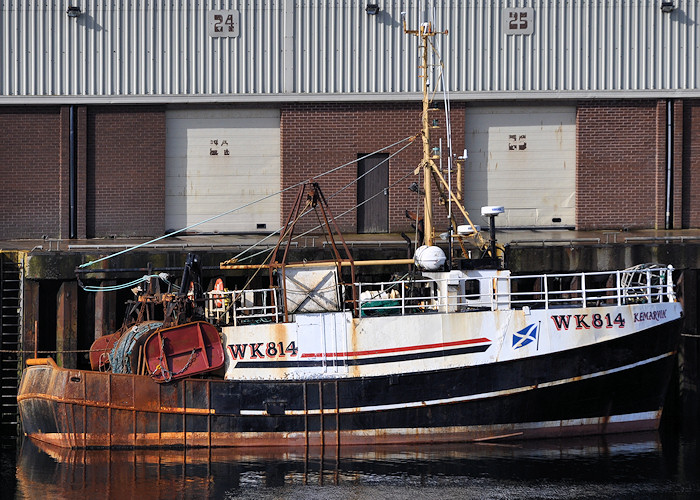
pixel 128 118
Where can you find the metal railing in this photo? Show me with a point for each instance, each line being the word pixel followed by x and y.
pixel 243 306
pixel 398 297
pixel 641 284
pixel 631 286
pixel 542 291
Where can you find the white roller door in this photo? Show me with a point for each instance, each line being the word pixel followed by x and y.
pixel 523 158
pixel 218 160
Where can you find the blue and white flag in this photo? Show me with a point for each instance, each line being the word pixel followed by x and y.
pixel 525 336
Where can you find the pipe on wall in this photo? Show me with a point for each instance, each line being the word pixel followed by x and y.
pixel 669 164
pixel 73 176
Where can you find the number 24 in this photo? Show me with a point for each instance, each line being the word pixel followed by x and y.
pixel 219 20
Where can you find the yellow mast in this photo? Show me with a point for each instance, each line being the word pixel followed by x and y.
pixel 425 32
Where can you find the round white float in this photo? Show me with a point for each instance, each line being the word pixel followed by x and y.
pixel 429 258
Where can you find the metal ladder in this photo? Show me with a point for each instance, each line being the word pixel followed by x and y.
pixel 10 346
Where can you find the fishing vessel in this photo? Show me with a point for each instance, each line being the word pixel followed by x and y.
pixel 446 349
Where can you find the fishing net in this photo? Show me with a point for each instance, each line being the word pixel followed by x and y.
pixel 119 357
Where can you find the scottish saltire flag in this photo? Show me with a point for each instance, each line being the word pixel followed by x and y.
pixel 525 336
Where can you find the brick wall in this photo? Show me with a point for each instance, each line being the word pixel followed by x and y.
pixel 620 178
pixel 317 137
pixel 29 162
pixel 691 164
pixel 120 155
pixel 621 164
pixel 125 193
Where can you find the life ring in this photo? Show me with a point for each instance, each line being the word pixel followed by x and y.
pixel 219 297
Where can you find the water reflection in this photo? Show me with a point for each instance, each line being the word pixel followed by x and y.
pixel 624 466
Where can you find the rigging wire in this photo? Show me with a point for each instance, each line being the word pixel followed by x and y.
pixel 173 233
pixel 336 217
pixel 360 204
pixel 418 207
pixel 238 258
pixel 410 138
pixel 441 79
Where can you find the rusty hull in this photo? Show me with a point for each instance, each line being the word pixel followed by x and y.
pixel 84 409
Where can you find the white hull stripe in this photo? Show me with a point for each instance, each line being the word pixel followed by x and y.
pixel 526 426
pixel 472 397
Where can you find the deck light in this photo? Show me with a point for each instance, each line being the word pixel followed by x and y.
pixel 372 9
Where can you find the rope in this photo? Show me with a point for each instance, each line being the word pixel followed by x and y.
pixel 138 281
pixel 63 351
pixel 237 257
pixel 369 171
pixel 241 207
pixel 360 204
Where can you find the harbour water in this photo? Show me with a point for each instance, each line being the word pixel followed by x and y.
pixel 642 465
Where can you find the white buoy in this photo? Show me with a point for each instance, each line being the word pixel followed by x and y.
pixel 429 258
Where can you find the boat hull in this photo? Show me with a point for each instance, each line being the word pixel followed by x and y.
pixel 613 386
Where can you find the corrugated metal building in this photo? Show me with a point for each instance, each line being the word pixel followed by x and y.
pixel 165 51
pixel 136 117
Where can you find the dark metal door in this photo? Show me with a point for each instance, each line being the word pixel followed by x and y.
pixel 373 188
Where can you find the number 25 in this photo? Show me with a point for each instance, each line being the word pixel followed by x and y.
pixel 514 17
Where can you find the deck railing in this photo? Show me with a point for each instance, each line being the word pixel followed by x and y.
pixel 642 284
pixel 243 306
pixel 542 291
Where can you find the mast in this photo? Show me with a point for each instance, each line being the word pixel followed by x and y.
pixel 430 171
pixel 426 162
pixel 425 32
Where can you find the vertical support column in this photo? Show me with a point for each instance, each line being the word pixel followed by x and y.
pixel 30 310
pixel 105 311
pixel 67 325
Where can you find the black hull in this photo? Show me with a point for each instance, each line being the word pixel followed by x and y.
pixel 615 386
